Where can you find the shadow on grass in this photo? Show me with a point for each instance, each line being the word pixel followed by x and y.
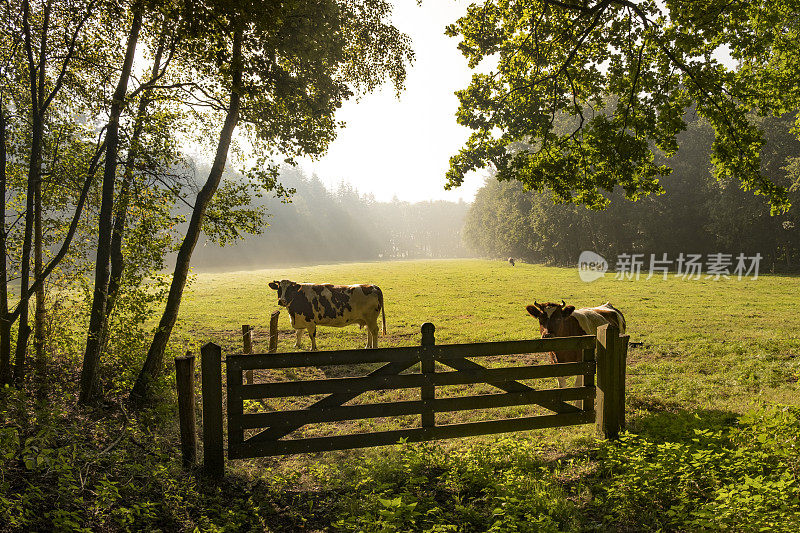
pixel 577 478
pixel 659 421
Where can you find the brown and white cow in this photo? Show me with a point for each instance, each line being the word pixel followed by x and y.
pixel 562 320
pixel 311 305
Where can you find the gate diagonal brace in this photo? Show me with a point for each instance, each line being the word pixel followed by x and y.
pixel 512 386
pixel 334 400
pixel 279 431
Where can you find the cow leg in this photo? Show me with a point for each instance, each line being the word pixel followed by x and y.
pixel 369 338
pixel 372 336
pixel 579 383
pixel 562 382
pixel 372 333
pixel 299 333
pixel 312 332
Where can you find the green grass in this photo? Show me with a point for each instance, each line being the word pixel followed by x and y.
pixel 712 351
pixel 724 344
pixel 696 456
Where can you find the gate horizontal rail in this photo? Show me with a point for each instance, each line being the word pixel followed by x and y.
pixel 415 407
pixel 406 381
pixel 600 404
pixel 410 354
pixel 383 438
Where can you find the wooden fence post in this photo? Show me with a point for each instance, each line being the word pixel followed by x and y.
pixel 587 380
pixel 611 354
pixel 623 364
pixel 247 348
pixel 428 368
pixel 184 382
pixel 273 331
pixel 211 371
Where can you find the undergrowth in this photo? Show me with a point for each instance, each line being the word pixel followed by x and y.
pixel 709 446
pixel 107 469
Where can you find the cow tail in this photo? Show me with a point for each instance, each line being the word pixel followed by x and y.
pixel 622 325
pixel 383 312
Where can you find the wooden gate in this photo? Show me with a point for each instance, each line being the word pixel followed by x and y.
pixel 598 400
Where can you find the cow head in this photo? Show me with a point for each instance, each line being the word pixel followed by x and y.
pixel 286 290
pixel 551 317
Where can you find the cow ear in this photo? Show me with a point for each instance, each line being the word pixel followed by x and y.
pixel 533 310
pixel 273 285
pixel 567 311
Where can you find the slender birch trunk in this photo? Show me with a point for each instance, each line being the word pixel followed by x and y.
pixel 121 212
pixel 34 175
pixel 97 318
pixel 5 322
pixel 155 355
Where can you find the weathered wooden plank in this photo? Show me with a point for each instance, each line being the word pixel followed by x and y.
pixel 610 411
pixel 338 357
pixel 247 339
pixel 334 400
pixel 362 384
pixel 484 349
pixel 586 380
pixel 511 386
pixel 439 405
pixel 233 372
pixel 622 373
pixel 428 368
pixel 184 382
pixel 247 349
pixel 253 448
pixel 405 353
pixel 211 375
pixel 273 331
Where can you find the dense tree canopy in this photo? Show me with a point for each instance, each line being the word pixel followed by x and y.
pixel 118 90
pixel 582 91
pixel 696 214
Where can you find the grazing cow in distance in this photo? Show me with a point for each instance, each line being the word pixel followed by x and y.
pixel 511 261
pixel 562 320
pixel 311 305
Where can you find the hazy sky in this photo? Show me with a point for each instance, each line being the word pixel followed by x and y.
pixel 402 147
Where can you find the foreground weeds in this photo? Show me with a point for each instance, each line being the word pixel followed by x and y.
pixel 107 469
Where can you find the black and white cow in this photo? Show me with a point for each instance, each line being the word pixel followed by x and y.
pixel 311 305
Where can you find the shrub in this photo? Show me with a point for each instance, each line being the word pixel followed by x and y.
pixel 741 478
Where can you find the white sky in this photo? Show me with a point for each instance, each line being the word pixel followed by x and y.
pixel 402 147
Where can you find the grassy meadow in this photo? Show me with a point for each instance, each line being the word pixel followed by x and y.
pixel 713 409
pixel 707 447
pixel 725 344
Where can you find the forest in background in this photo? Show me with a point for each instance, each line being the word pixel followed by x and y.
pixel 321 225
pixel 696 213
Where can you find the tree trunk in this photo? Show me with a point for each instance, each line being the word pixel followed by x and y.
pixel 39 105
pixel 24 331
pixel 5 323
pixel 121 214
pixel 155 355
pixel 39 312
pixel 34 175
pixel 97 318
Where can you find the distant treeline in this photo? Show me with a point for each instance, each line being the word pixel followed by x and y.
pixel 697 214
pixel 320 225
